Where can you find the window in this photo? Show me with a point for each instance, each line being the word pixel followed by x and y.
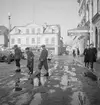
pixel 53 41
pixel 27 40
pixel 46 41
pixel 27 31
pixel 38 40
pixel 33 31
pixel 12 41
pixel 33 40
pixel 19 41
pixel 38 30
pixel 98 5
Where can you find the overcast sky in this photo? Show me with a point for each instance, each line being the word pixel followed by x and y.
pixel 63 12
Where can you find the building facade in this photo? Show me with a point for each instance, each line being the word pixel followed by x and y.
pixel 92 15
pixel 89 12
pixel 4 36
pixel 33 35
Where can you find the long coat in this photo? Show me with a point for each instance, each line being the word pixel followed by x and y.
pixel 92 54
pixel 43 55
pixel 86 55
pixel 30 60
pixel 18 53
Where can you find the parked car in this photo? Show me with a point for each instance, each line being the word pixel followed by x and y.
pixel 6 55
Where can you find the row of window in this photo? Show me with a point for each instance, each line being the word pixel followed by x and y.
pixel 33 41
pixel 33 31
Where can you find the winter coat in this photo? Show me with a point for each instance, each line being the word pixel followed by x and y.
pixel 43 55
pixel 18 53
pixel 30 59
pixel 86 55
pixel 92 55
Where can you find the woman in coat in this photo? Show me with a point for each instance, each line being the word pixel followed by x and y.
pixel 86 56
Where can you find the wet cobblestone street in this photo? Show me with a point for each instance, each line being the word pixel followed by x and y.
pixel 66 86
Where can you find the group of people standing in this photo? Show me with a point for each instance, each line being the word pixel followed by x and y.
pixel 90 56
pixel 30 59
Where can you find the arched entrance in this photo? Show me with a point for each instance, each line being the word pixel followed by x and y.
pixel 96 37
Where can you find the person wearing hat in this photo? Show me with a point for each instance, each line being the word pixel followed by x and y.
pixel 86 56
pixel 92 55
pixel 18 55
pixel 30 60
pixel 43 59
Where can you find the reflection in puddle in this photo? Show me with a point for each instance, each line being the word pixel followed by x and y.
pixel 26 74
pixel 73 69
pixel 52 91
pixel 70 72
pixel 37 99
pixel 56 86
pixel 23 78
pixel 22 99
pixel 64 80
pixel 43 80
pixel 74 79
pixel 56 65
pixel 11 84
pixel 56 78
pixel 79 98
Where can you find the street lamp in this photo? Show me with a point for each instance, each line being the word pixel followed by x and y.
pixel 9 18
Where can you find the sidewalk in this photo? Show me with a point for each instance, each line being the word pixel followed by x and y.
pixel 96 64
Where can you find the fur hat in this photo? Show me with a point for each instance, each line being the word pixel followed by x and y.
pixel 43 45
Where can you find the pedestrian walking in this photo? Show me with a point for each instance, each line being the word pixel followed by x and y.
pixel 74 55
pixel 92 56
pixel 18 55
pixel 86 56
pixel 43 60
pixel 78 52
pixel 30 60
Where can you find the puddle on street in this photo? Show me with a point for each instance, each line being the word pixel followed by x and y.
pixel 70 72
pixel 37 99
pixel 11 84
pixel 79 98
pixel 23 78
pixel 74 79
pixel 23 99
pixel 56 86
pixel 64 80
pixel 52 91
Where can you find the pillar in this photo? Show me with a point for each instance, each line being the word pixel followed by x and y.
pixel 90 19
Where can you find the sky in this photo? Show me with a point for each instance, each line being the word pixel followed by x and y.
pixel 63 12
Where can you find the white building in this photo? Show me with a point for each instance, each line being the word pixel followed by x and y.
pixel 33 35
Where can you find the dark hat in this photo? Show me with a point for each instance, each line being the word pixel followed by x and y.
pixel 27 48
pixel 91 44
pixel 43 45
pixel 15 46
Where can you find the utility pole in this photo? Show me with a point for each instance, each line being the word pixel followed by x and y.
pixel 9 18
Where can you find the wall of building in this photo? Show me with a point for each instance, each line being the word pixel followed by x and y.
pixel 33 35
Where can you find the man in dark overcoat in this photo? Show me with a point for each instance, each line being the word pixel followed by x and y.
pixel 30 60
pixel 18 56
pixel 86 56
pixel 43 60
pixel 92 55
